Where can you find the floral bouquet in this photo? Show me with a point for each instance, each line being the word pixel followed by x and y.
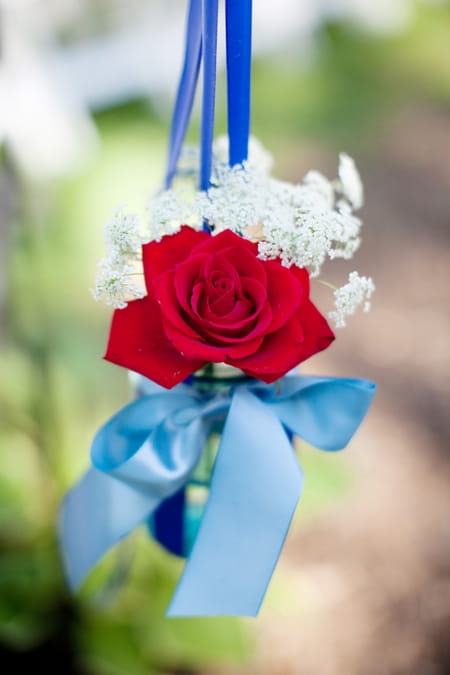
pixel 213 312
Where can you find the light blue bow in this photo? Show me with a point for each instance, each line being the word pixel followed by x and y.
pixel 149 449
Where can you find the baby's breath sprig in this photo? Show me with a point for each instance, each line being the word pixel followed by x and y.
pixel 357 291
pixel 122 237
pixel 350 183
pixel 302 224
pixel 113 283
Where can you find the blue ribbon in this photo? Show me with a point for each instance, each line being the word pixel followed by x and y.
pixel 149 449
pixel 201 35
pixel 239 55
pixel 186 88
pixel 210 17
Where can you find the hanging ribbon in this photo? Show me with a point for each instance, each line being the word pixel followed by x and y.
pixel 210 15
pixel 186 88
pixel 201 37
pixel 149 449
pixel 239 50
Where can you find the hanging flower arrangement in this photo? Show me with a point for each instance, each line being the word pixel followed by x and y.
pixel 212 313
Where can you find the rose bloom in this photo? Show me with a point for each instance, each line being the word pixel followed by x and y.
pixel 211 299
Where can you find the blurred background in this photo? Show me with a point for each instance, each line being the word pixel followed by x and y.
pixel 86 87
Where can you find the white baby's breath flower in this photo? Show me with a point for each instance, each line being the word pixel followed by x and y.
pixel 316 181
pixel 313 226
pixel 259 158
pixel 301 224
pixel 356 291
pixel 235 200
pixel 301 239
pixel 122 237
pixel 350 181
pixel 169 210
pixel 113 284
pixel 302 227
pixel 344 235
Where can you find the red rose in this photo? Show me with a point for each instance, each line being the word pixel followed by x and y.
pixel 210 298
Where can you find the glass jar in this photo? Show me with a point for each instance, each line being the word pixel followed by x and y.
pixel 176 522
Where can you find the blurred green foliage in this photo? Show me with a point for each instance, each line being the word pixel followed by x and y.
pixel 56 390
pixel 352 82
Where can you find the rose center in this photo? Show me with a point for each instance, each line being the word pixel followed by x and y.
pixel 222 284
pixel 219 282
pixel 220 292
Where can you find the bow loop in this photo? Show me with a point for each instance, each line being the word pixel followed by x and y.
pixel 325 412
pixel 118 441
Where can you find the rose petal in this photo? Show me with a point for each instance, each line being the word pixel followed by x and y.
pixel 220 263
pixel 276 356
pixel 226 305
pixel 246 307
pixel 223 312
pixel 137 341
pixel 285 292
pixel 218 285
pixel 317 332
pixel 203 269
pixel 246 263
pixel 301 338
pixel 212 307
pixel 221 335
pixel 254 290
pixel 303 277
pixel 227 239
pixel 196 349
pixel 164 291
pixel 160 256
pixel 185 276
pixel 242 349
pixel 193 348
pixel 199 329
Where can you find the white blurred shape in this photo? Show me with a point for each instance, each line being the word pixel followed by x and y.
pixel 47 132
pixel 279 22
pixel 132 63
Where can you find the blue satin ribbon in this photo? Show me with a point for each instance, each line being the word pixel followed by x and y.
pixel 186 88
pixel 239 55
pixel 149 449
pixel 201 36
pixel 210 16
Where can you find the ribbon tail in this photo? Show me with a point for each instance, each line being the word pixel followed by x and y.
pixel 255 488
pixel 96 514
pixel 141 457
